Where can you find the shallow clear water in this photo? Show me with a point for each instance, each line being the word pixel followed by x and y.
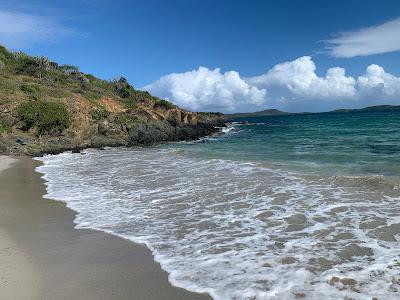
pixel 340 143
pixel 294 207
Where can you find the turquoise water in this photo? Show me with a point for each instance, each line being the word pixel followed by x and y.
pixel 254 213
pixel 335 143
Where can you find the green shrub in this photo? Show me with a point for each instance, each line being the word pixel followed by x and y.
pixel 164 104
pixel 123 88
pixel 30 88
pixel 26 65
pixel 99 114
pixel 69 68
pixel 123 119
pixel 46 117
pixel 92 97
pixel 129 120
pixel 101 84
pixel 91 77
pixel 5 126
pixel 142 96
pixel 130 103
pixel 5 56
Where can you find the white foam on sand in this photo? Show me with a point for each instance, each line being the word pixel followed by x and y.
pixel 238 230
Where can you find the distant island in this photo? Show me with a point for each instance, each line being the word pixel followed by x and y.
pixel 267 112
pixel 370 108
pixel 275 112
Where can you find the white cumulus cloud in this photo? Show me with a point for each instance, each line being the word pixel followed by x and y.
pixel 377 83
pixel 367 41
pixel 292 86
pixel 19 30
pixel 298 78
pixel 208 90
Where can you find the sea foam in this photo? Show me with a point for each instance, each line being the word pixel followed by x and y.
pixel 238 230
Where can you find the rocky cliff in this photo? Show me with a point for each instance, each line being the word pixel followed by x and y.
pixel 48 108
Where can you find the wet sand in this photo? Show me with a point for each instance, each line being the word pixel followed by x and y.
pixel 42 256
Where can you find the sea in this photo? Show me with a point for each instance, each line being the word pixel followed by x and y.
pixel 303 206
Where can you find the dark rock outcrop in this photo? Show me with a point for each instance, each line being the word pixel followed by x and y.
pixel 164 131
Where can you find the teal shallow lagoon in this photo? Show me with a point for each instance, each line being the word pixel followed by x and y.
pixel 355 143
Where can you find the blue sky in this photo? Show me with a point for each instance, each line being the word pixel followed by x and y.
pixel 253 54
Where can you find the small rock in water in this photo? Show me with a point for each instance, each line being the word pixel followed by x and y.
pixel 348 281
pixel 279 245
pixel 267 265
pixel 299 295
pixel 288 260
pixel 354 250
pixel 333 280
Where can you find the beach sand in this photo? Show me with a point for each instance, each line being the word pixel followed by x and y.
pixel 42 256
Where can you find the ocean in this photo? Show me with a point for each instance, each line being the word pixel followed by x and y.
pixel 279 207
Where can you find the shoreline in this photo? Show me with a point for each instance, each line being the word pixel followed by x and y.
pixel 42 255
pixel 17 145
pixel 80 148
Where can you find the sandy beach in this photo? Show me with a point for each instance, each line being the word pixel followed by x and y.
pixel 42 256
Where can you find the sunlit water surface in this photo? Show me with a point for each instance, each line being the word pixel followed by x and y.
pixel 286 207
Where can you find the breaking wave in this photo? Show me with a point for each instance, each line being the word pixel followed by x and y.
pixel 239 230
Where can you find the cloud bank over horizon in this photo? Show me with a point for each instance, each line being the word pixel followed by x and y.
pixel 292 86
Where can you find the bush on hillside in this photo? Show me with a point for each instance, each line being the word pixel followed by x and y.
pixel 31 89
pixel 26 65
pixel 69 69
pixel 47 117
pixel 123 88
pixel 164 104
pixel 5 56
pixel 128 120
pixel 99 114
pixel 5 125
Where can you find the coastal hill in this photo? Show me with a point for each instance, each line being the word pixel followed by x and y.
pixel 48 108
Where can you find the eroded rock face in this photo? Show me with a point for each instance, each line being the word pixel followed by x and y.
pixel 176 115
pixel 191 118
pixel 180 116
pixel 185 119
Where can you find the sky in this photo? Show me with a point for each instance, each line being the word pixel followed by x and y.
pixel 227 56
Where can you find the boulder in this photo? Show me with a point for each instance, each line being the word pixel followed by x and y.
pixel 103 127
pixel 21 141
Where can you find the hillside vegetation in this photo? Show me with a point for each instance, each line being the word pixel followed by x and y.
pixel 47 108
